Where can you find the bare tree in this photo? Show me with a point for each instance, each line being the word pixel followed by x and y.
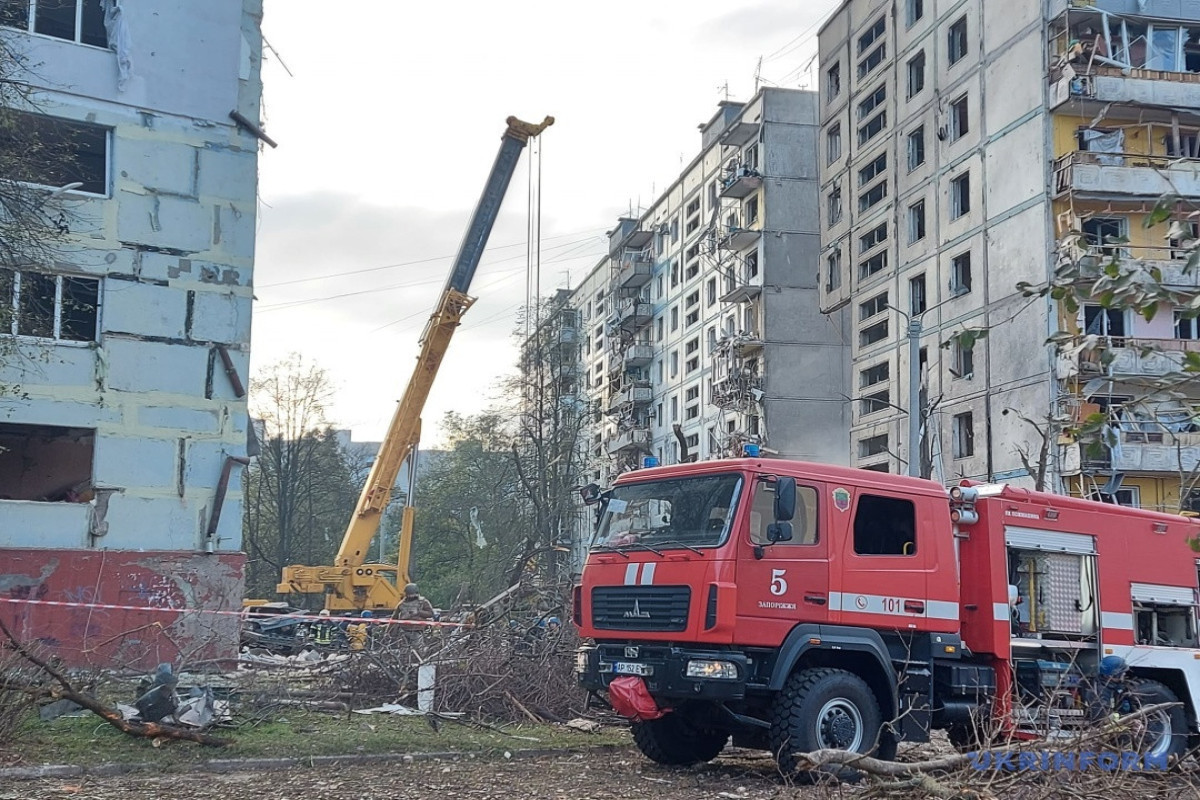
pixel 299 492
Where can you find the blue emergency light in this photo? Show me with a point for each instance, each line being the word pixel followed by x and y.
pixel 750 450
pixel 649 461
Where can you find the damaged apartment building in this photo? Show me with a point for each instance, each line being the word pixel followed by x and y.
pixel 701 330
pixel 963 144
pixel 123 424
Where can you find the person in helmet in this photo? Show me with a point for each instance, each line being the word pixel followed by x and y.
pixel 413 606
pixel 323 631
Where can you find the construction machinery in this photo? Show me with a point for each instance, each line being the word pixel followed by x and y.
pixel 351 583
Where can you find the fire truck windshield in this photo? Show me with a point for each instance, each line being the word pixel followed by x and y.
pixel 684 513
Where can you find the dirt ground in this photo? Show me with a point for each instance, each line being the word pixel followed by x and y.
pixel 602 775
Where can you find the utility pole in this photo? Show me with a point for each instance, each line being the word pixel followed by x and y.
pixel 914 395
pixel 914 389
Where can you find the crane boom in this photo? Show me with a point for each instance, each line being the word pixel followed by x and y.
pixel 351 583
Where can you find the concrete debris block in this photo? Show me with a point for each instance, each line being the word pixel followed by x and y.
pixel 128 712
pixel 580 724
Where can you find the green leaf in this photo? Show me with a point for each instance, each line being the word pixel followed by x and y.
pixel 1149 311
pixel 1163 210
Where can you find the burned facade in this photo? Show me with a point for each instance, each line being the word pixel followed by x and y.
pixel 123 419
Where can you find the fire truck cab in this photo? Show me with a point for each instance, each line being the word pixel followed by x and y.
pixel 796 606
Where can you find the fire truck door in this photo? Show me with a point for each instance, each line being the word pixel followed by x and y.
pixel 886 565
pixel 790 582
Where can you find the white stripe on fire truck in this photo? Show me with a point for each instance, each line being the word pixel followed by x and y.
pixel 631 571
pixel 1116 620
pixel 856 603
pixel 648 574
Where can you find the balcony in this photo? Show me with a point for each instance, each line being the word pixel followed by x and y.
pixel 745 286
pixel 1145 452
pixel 1128 357
pixel 1140 87
pixel 742 182
pixel 634 270
pixel 629 235
pixel 739 240
pixel 740 133
pixel 638 355
pixel 632 439
pixel 631 396
pixel 631 315
pixel 1106 174
pixel 1170 264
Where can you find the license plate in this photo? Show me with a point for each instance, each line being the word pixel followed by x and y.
pixel 632 668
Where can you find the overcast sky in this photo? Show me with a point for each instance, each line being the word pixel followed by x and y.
pixel 390 121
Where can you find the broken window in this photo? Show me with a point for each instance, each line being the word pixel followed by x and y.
pixel 885 526
pixel 1105 234
pixel 1100 321
pixel 46 463
pixel 67 152
pixel 964 435
pixel 79 21
pixel 44 306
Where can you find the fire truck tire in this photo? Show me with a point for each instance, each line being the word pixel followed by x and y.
pixel 825 708
pixel 1167 731
pixel 674 740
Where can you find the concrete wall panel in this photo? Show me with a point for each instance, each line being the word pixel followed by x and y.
pixel 138 366
pixel 221 317
pixel 144 309
pixel 27 523
pixel 136 462
pixel 150 522
pixel 164 221
pixel 146 163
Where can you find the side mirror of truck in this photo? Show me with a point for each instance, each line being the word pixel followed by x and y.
pixel 779 532
pixel 590 494
pixel 785 499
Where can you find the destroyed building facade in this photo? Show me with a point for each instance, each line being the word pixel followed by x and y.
pixel 123 427
pixel 963 143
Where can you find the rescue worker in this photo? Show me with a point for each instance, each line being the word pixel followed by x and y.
pixel 413 606
pixel 323 630
pixel 357 633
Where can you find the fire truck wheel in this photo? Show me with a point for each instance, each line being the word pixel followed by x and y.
pixel 1164 732
pixel 824 709
pixel 674 740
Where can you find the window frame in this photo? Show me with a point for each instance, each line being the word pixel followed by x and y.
pixel 960 195
pixel 957 45
pixel 78 25
pixel 60 278
pixel 963 435
pixel 916 61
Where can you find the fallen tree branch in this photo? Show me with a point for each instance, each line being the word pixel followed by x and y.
pixel 149 730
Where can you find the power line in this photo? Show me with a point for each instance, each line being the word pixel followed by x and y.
pixel 561 258
pixel 410 263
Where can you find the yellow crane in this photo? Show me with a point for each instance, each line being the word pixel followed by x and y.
pixel 351 583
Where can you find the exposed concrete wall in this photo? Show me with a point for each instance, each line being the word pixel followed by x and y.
pixel 172 243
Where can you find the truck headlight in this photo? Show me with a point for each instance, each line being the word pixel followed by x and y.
pixel 707 668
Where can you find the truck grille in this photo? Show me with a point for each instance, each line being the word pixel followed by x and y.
pixel 640 608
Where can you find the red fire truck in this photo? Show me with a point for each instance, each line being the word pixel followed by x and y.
pixel 796 606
